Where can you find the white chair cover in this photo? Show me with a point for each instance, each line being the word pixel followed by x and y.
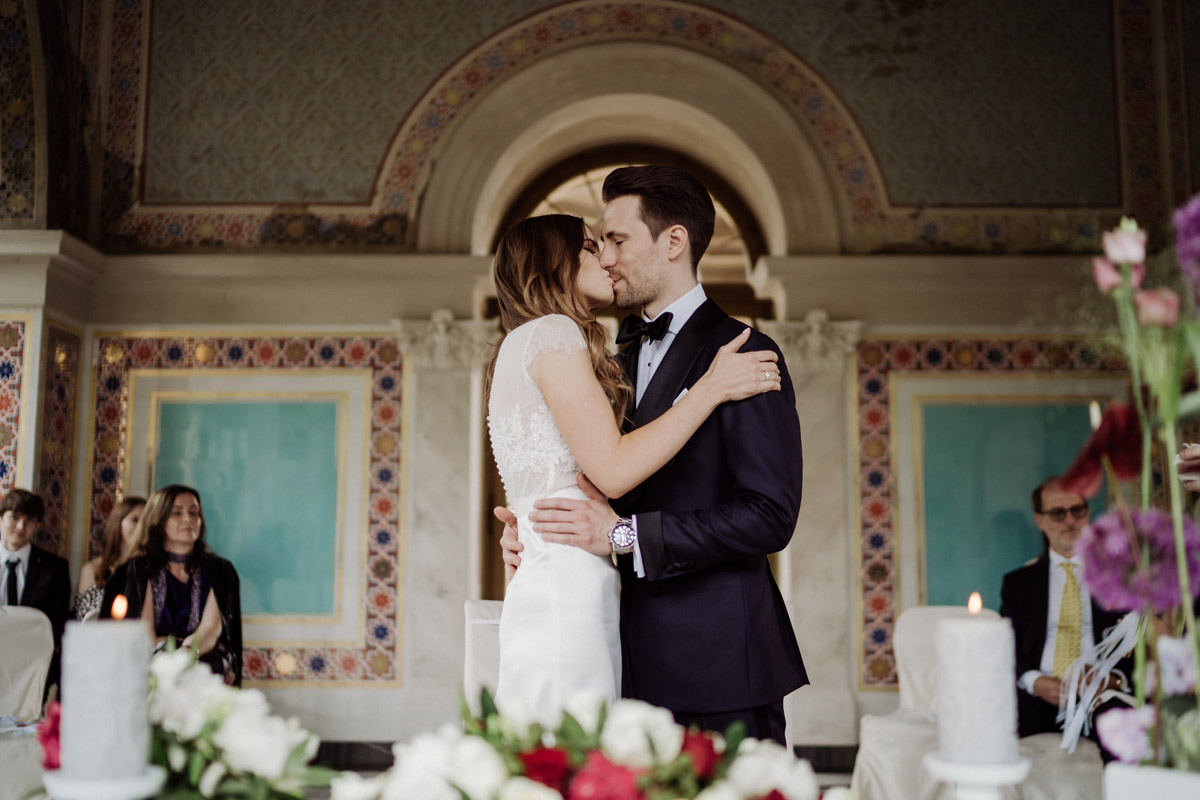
pixel 481 664
pixel 26 646
pixel 892 747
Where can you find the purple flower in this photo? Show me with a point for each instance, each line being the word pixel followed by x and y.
pixel 1112 566
pixel 1175 660
pixel 1125 732
pixel 1187 243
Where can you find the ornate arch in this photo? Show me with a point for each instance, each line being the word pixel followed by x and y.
pixel 869 221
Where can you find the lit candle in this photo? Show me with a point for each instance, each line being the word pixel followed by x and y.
pixel 977 690
pixel 105 730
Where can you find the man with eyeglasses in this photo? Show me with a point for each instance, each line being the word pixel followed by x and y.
pixel 1052 612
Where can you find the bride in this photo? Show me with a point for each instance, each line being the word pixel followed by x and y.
pixel 556 398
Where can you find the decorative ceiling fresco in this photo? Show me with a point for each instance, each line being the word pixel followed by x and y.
pixel 951 126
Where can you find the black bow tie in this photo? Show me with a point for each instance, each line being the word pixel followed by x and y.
pixel 634 327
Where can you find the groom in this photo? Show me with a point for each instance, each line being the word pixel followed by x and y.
pixel 704 631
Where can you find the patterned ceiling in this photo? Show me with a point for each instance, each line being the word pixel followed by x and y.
pixel 963 103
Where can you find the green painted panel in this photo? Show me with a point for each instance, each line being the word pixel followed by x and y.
pixel 981 463
pixel 267 473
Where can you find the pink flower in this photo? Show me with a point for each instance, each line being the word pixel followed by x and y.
pixel 1124 731
pixel 600 779
pixel 48 737
pixel 1175 660
pixel 1157 307
pixel 1125 244
pixel 1108 275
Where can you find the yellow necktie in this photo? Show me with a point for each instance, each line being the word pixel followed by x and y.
pixel 1070 624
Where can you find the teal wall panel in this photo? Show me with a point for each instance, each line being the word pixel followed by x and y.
pixel 268 476
pixel 980 464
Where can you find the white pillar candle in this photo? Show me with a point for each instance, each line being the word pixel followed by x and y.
pixel 105 731
pixel 976 690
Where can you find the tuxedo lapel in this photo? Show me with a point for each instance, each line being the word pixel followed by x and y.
pixel 1039 602
pixel 669 377
pixel 33 574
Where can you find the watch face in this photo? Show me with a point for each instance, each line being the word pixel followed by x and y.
pixel 623 535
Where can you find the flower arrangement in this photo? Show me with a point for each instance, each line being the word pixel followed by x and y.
pixel 217 741
pixel 631 751
pixel 1147 560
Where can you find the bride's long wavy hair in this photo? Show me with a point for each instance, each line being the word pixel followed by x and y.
pixel 536 273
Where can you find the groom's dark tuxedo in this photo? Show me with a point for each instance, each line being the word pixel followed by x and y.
pixel 48 589
pixel 706 629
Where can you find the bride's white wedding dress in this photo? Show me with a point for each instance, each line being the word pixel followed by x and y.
pixel 559 627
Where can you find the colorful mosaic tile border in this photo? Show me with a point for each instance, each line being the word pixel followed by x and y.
pixel 877 359
pixel 378 657
pixel 874 222
pixel 18 134
pixel 12 369
pixel 56 464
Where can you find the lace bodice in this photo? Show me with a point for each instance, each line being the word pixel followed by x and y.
pixel 531 455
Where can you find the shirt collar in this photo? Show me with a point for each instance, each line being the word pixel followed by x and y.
pixel 683 308
pixel 22 554
pixel 1056 560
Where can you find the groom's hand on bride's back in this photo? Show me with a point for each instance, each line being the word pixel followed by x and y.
pixel 581 523
pixel 510 548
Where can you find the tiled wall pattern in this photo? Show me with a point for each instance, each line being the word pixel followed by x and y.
pixel 877 359
pixel 887 70
pixel 18 132
pixel 56 463
pixel 377 659
pixel 12 368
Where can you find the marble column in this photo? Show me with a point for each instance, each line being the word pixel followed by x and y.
pixel 816 570
pixel 443 361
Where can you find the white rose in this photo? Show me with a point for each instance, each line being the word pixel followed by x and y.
pixel 761 766
pixel 167 667
pixel 516 718
pixel 427 752
pixel 476 768
pixel 522 788
pixel 254 742
pixel 418 783
pixel 585 707
pixel 211 778
pixel 352 786
pixel 195 699
pixel 633 728
pixel 721 790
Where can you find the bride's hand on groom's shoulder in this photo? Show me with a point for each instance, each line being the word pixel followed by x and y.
pixel 580 523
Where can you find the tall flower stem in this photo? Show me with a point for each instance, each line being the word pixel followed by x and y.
pixel 1130 336
pixel 1167 435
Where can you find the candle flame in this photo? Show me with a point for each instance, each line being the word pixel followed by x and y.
pixel 119 607
pixel 975 604
pixel 1094 414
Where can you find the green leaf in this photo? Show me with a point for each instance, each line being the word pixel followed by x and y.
pixel 318 777
pixel 487 706
pixel 196 764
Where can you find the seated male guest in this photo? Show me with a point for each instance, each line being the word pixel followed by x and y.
pixel 32 576
pixel 1052 612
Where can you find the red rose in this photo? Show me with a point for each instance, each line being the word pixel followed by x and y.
pixel 546 765
pixel 774 794
pixel 48 737
pixel 1120 438
pixel 699 745
pixel 600 779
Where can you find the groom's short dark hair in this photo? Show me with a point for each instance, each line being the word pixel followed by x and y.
pixel 669 196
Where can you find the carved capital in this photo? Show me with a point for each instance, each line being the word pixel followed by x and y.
pixel 815 344
pixel 442 343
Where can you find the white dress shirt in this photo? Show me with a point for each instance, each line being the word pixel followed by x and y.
pixel 650 355
pixel 1058 579
pixel 22 570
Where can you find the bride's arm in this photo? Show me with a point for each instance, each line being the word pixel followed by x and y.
pixel 616 463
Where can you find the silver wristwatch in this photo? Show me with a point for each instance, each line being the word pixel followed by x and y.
pixel 622 536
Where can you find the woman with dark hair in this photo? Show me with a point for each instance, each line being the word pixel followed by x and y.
pixel 180 587
pixel 556 399
pixel 120 531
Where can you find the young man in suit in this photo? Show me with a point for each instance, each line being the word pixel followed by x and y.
pixel 1052 612
pixel 704 630
pixel 29 575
